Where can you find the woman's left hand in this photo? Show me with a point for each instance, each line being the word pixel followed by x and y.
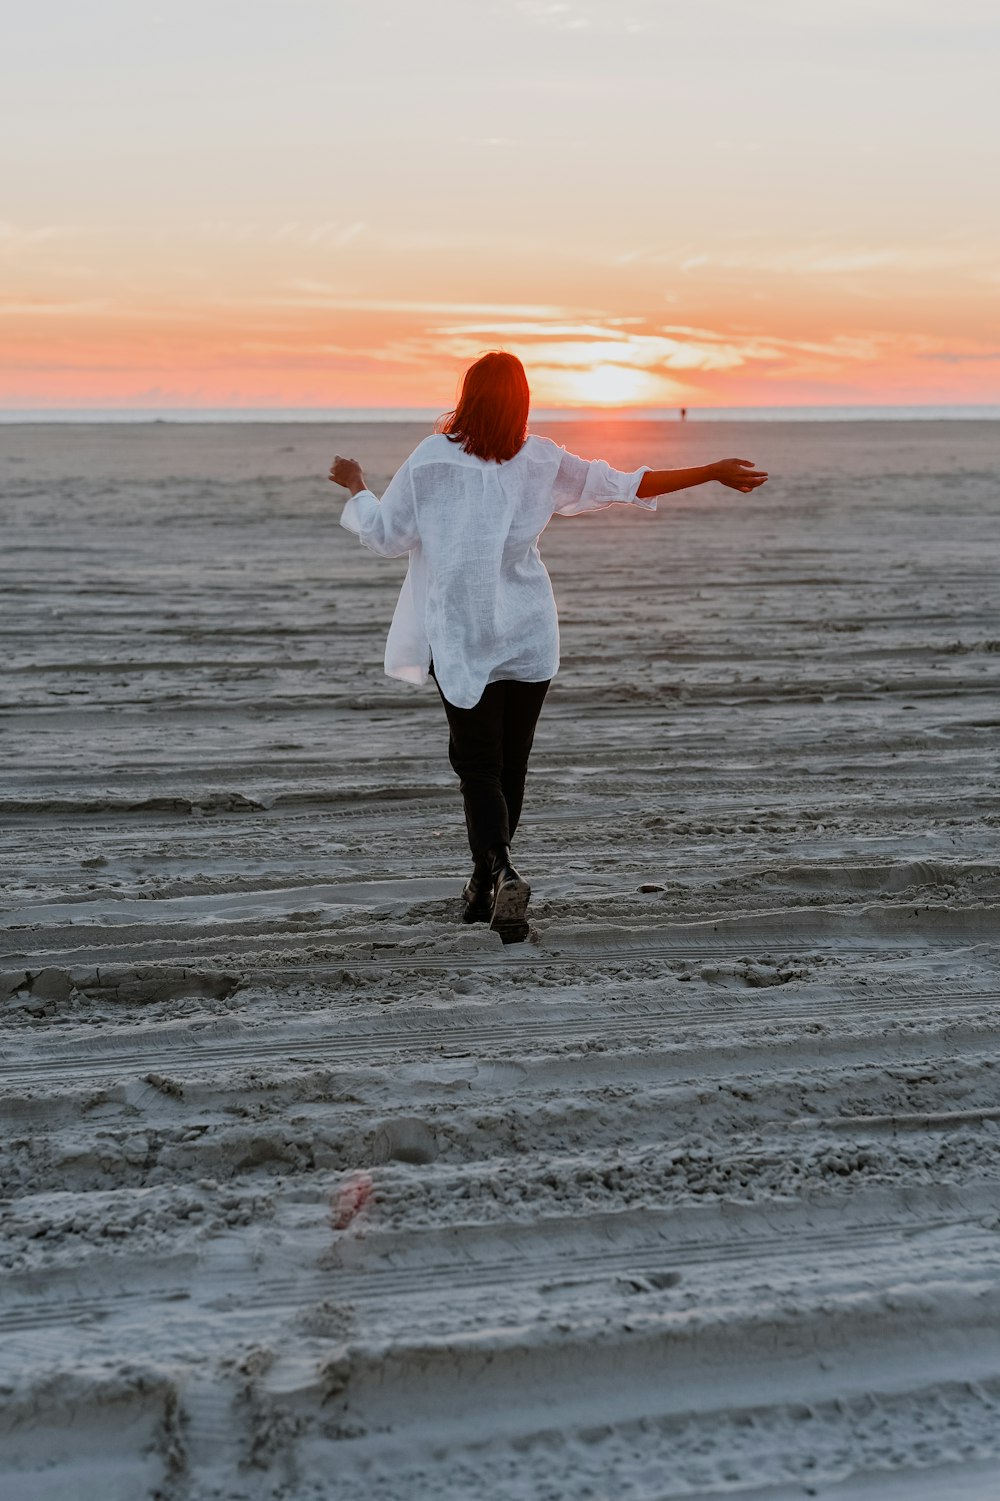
pixel 738 474
pixel 347 472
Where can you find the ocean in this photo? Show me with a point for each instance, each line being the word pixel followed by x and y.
pixel 428 414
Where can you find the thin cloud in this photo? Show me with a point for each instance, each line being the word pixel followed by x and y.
pixel 561 15
pixel 553 13
pixel 309 236
pixel 674 347
pixel 18 236
pixel 44 309
pixel 821 261
pixel 531 330
pixel 957 357
pixel 310 297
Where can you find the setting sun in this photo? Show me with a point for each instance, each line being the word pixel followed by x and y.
pixel 602 385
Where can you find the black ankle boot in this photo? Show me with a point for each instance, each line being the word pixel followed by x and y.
pixel 511 894
pixel 477 894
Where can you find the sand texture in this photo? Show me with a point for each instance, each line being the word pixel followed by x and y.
pixel 308 1191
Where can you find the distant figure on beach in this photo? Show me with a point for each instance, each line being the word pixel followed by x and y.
pixel 476 609
pixel 684 414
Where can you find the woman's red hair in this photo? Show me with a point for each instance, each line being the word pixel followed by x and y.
pixel 491 419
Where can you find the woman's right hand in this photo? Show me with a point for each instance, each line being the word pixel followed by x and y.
pixel 738 474
pixel 347 472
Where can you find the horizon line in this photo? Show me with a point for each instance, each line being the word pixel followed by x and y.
pixel 208 414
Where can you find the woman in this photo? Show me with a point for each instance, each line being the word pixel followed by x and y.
pixel 476 609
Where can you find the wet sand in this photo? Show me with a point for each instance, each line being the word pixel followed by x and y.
pixel 311 1192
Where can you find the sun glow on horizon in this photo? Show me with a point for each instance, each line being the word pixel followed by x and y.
pixel 601 385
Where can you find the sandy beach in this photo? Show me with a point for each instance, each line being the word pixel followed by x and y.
pixel 308 1191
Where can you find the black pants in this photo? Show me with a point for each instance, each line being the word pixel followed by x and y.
pixel 489 746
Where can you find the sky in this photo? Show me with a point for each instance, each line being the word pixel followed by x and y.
pixel 341 203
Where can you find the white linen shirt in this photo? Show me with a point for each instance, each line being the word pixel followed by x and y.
pixel 477 596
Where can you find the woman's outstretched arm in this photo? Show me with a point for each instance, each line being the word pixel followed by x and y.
pixel 737 474
pixel 582 485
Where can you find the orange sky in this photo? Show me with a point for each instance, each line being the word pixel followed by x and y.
pixel 653 204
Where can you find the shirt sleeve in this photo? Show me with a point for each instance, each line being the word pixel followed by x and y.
pixel 582 485
pixel 387 526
